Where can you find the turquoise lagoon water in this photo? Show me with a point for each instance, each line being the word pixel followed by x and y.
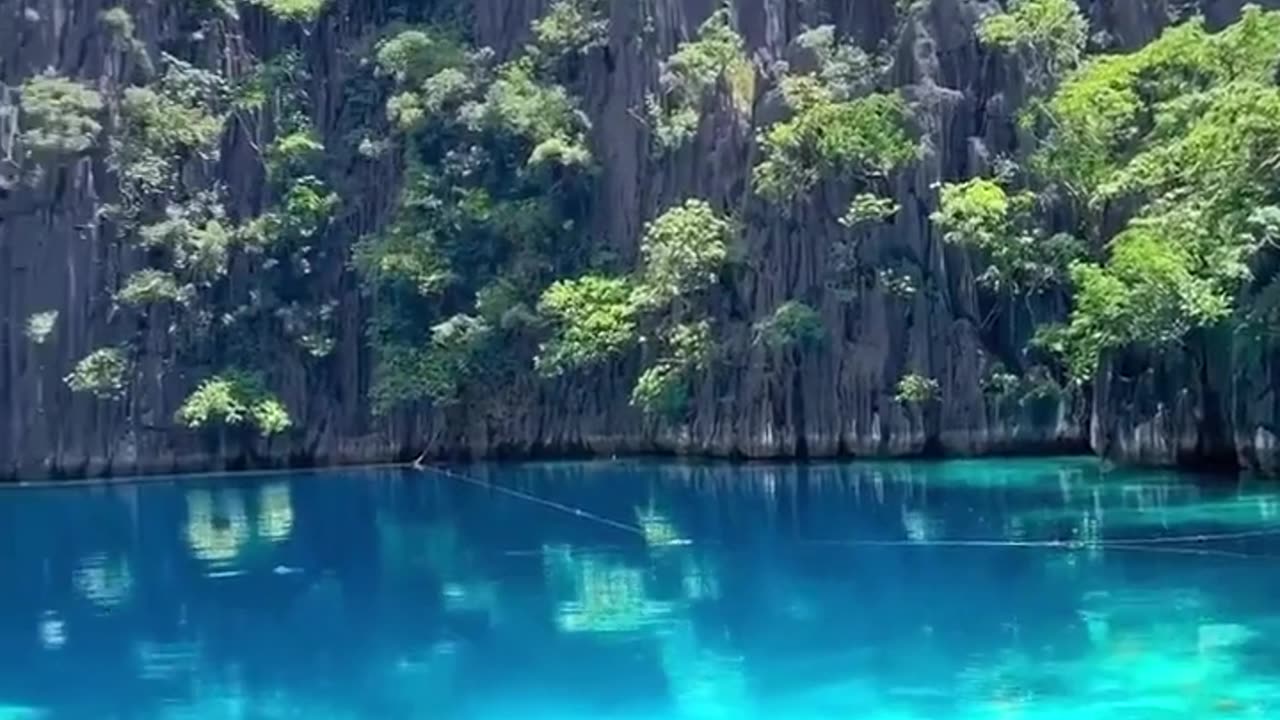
pixel 1041 589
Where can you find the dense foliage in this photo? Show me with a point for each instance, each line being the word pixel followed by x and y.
pixel 793 324
pixel 828 139
pixel 60 116
pixel 569 27
pixel 716 56
pixel 1181 134
pixel 596 318
pixel 102 373
pixel 457 186
pixel 295 10
pixel 916 389
pixel 496 170
pixel 1048 36
pixel 234 398
pixel 1021 256
pixel 40 326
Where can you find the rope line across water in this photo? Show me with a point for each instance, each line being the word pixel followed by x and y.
pixel 1142 543
pixel 576 512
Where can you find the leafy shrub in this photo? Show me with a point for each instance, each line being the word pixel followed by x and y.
pixel 793 324
pixel 396 257
pixel 1182 135
pixel 869 208
pixel 59 115
pixel 120 29
pixel 562 152
pixel 293 154
pixel 1001 384
pixel 178 118
pixel 412 56
pixel 118 22
pixel 1049 36
pixel 1152 291
pixel 916 389
pixel 693 71
pixel 845 71
pixel 594 317
pixel 234 398
pixel 445 89
pixel 405 373
pixel 152 286
pixel 662 390
pixel 569 26
pixel 40 326
pixel 438 372
pixel 405 111
pixel 683 251
pixel 979 214
pixel 691 343
pixel 307 207
pixel 196 237
pixel 826 139
pixel 516 103
pixel 294 10
pixel 103 373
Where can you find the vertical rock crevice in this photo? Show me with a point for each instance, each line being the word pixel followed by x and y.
pixel 57 254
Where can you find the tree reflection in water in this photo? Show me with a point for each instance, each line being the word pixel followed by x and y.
pixel 746 591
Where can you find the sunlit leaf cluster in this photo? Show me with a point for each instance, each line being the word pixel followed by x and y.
pixel 103 373
pixel 1048 36
pixel 60 116
pixel 1003 227
pixel 1182 134
pixel 235 398
pixel 793 324
pixel 716 55
pixel 828 139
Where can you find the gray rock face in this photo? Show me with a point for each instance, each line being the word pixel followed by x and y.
pixel 835 400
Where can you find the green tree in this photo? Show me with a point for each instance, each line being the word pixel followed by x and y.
pixel 1022 258
pixel 1180 134
pixel 40 326
pixel 595 319
pixel 1047 35
pixel 59 116
pixel 857 139
pixel 145 287
pixel 844 70
pixel 717 54
pixel 235 398
pixel 663 388
pixel 916 389
pixel 104 373
pixel 792 324
pixel 868 208
pixel 683 251
pixel 569 27
pixel 294 10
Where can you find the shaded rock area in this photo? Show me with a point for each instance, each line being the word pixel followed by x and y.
pixel 1206 403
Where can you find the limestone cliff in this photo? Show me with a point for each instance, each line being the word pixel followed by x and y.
pixel 837 399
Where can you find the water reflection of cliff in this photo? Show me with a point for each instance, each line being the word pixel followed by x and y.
pixel 390 594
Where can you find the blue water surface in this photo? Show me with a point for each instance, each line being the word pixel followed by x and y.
pixel 640 590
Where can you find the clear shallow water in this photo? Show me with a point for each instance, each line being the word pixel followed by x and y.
pixel 863 591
